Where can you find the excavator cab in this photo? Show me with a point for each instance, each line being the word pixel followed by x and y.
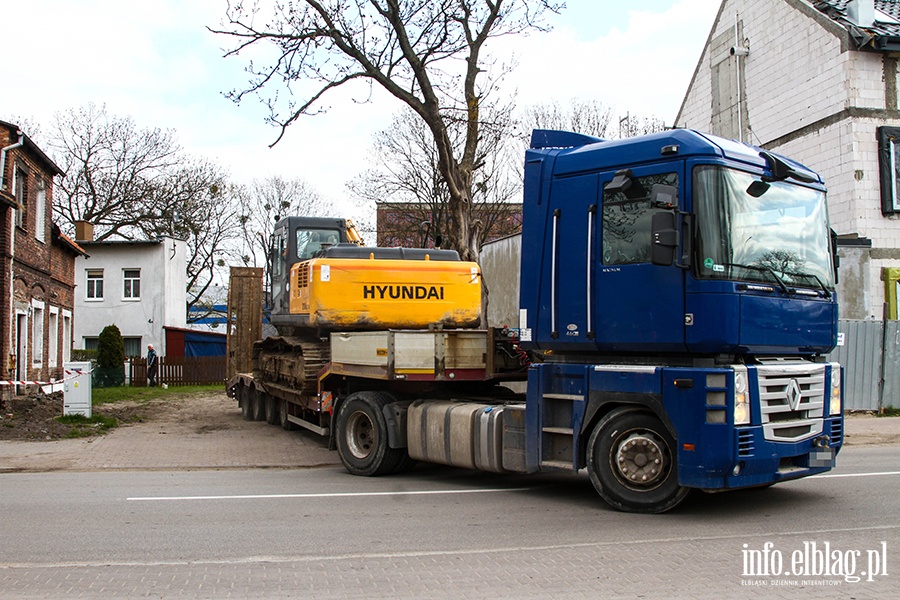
pixel 298 239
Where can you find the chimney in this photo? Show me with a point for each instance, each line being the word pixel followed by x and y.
pixel 84 231
pixel 861 12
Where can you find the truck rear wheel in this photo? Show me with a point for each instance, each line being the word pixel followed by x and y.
pixel 284 409
pixel 362 436
pixel 246 402
pixel 632 462
pixel 259 405
pixel 273 412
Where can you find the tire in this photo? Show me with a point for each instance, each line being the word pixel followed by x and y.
pixel 246 402
pixel 632 462
pixel 283 412
pixel 362 438
pixel 259 405
pixel 273 410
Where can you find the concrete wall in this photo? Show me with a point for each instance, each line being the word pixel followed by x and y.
pixel 499 262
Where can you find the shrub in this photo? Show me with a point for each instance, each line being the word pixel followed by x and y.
pixel 110 369
pixel 110 347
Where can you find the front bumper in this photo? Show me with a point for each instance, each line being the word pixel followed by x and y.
pixel 755 461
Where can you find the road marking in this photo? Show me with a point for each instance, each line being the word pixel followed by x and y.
pixel 414 493
pixel 678 540
pixel 857 474
pixel 331 495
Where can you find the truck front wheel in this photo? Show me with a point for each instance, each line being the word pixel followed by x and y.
pixel 632 462
pixel 362 435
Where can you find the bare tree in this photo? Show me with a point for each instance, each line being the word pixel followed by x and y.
pixel 413 197
pixel 633 126
pixel 133 183
pixel 590 117
pixel 265 201
pixel 426 53
pixel 113 171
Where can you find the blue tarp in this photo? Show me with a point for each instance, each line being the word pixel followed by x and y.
pixel 199 343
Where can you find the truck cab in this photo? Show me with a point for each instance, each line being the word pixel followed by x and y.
pixel 678 287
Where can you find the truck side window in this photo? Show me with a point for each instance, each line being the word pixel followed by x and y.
pixel 627 218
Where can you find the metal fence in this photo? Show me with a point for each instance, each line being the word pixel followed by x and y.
pixel 870 354
pixel 180 370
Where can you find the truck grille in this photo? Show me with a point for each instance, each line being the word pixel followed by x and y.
pixel 792 400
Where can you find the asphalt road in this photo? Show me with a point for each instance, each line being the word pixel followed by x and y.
pixel 441 533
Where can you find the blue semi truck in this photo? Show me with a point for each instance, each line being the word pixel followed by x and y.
pixel 677 304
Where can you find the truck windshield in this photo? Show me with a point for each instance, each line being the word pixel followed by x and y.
pixel 781 237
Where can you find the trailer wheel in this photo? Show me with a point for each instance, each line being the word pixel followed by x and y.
pixel 283 412
pixel 362 439
pixel 273 412
pixel 632 462
pixel 246 402
pixel 259 405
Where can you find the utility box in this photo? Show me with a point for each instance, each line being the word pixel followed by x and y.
pixel 77 389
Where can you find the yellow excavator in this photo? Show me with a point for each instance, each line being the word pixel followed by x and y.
pixel 323 280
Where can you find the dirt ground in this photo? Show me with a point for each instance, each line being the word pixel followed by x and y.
pixel 33 417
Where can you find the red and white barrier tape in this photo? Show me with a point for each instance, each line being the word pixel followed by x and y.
pixel 71 374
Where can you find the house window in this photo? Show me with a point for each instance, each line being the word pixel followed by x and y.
pixel 94 284
pixel 132 346
pixel 40 206
pixel 132 279
pixel 21 192
pixel 53 337
pixel 889 168
pixel 37 328
pixel 67 336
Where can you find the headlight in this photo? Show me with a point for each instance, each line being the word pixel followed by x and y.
pixel 835 405
pixel 741 397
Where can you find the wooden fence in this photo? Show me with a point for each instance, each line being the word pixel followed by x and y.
pixel 180 370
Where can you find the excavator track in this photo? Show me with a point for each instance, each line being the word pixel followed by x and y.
pixel 292 361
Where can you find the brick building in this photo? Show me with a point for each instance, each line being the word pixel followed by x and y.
pixel 37 265
pixel 410 224
pixel 817 81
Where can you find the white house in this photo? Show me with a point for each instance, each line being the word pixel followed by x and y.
pixel 817 81
pixel 139 286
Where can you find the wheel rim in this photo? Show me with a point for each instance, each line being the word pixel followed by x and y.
pixel 360 435
pixel 640 460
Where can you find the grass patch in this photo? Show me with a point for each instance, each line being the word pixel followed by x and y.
pixel 83 426
pixel 890 411
pixel 143 394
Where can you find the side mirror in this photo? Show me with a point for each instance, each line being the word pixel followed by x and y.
pixel 835 257
pixel 663 239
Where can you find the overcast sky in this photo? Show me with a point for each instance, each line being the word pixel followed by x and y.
pixel 156 62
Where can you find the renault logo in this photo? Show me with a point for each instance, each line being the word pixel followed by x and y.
pixel 794 395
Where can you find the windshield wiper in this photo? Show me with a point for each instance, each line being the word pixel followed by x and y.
pixel 811 276
pixel 779 280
